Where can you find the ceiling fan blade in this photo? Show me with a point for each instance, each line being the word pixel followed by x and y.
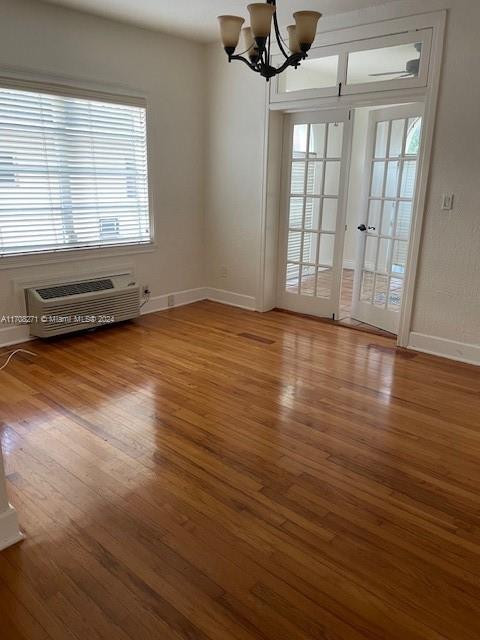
pixel 387 73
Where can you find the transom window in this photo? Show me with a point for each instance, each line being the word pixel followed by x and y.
pixel 73 173
pixel 393 61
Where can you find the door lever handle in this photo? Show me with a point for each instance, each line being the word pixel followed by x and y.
pixel 362 227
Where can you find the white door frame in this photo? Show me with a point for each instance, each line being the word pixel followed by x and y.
pixel 361 311
pixel 323 307
pixel 272 165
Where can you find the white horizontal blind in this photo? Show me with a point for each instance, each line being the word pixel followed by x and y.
pixel 73 173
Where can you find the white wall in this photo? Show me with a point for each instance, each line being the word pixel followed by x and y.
pixel 448 288
pixel 50 41
pixel 234 163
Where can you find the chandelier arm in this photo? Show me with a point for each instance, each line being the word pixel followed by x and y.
pixel 247 62
pixel 292 61
pixel 279 36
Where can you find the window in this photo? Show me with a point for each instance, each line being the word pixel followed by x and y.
pixel 388 62
pixel 313 73
pixel 73 173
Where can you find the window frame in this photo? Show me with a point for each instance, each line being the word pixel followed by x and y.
pixel 70 254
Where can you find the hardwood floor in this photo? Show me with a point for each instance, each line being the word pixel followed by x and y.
pixel 212 473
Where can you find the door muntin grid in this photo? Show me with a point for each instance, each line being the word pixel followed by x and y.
pixel 313 206
pixel 390 206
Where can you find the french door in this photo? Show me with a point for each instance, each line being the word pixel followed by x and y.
pixel 393 144
pixel 317 153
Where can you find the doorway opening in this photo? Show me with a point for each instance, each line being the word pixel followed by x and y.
pixel 350 180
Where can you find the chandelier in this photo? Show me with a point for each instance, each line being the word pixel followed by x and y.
pixel 257 38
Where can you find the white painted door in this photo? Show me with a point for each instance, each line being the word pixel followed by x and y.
pixel 317 153
pixel 393 144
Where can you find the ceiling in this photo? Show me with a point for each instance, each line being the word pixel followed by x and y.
pixel 196 19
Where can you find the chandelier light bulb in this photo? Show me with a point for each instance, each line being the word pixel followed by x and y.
pixel 250 44
pixel 261 15
pixel 306 23
pixel 293 43
pixel 230 31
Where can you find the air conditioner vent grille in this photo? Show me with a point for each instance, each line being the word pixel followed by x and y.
pixel 64 290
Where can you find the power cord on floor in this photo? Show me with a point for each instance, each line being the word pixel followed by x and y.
pixel 30 353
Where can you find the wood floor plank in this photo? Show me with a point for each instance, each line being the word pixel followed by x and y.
pixel 210 473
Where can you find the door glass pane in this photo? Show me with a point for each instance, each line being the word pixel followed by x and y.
pixel 335 140
pixel 391 185
pixel 310 247
pixel 317 140
pixel 307 284
pixel 300 132
pixel 396 138
pixel 332 178
pixel 383 255
pixel 395 294
pixel 293 272
pixel 312 213
pixel 387 63
pixel 414 129
pixel 313 73
pixel 381 286
pixel 408 179
pixel 296 212
pixel 370 253
pixel 314 178
pixel 297 180
pixel 329 214
pixel 381 140
pixel 374 209
pixel 377 179
pixel 388 219
pixel 327 244
pixel 399 256
pixel 404 219
pixel 294 245
pixel 324 282
pixel 366 291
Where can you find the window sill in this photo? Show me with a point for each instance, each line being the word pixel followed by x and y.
pixel 74 255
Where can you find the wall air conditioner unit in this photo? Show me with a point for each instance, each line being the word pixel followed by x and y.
pixel 74 306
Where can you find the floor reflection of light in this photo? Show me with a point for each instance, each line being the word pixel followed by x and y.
pixel 8 440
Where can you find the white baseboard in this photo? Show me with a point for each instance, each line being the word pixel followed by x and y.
pixel 9 530
pixel 14 335
pixel 180 298
pixel 231 298
pixel 461 351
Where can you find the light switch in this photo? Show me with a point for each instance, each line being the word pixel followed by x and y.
pixel 447 201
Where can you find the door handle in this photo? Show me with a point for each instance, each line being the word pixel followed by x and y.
pixel 362 227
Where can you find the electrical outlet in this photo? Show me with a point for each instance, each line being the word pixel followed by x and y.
pixel 223 272
pixel 447 201
pixel 145 290
pixel 171 301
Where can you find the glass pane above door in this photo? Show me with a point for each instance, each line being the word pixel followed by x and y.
pixel 388 63
pixel 313 73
